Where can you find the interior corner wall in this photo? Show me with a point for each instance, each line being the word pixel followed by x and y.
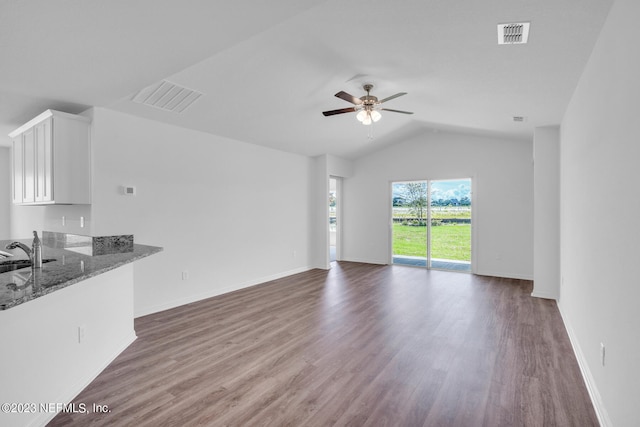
pixel 5 193
pixel 599 218
pixel 320 194
pixel 546 224
pixel 502 200
pixel 228 214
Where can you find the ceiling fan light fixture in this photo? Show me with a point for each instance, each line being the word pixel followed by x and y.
pixel 368 116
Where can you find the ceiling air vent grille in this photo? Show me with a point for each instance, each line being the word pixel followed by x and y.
pixel 516 33
pixel 167 96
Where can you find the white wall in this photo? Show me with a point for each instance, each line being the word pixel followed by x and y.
pixel 228 213
pixel 26 219
pixel 502 174
pixel 320 215
pixel 337 166
pixel 546 227
pixel 600 209
pixel 5 193
pixel 231 214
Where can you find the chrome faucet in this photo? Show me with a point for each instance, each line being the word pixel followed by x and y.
pixel 25 248
pixel 34 254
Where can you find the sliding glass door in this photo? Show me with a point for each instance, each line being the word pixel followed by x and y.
pixel 409 223
pixel 431 224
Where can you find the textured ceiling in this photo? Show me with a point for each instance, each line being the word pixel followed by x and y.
pixel 268 69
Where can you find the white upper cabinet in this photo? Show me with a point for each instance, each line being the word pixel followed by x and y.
pixel 51 160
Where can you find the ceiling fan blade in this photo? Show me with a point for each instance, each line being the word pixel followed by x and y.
pixel 389 98
pixel 340 111
pixel 349 98
pixel 396 111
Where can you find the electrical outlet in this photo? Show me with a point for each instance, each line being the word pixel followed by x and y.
pixel 64 221
pixel 81 222
pixel 602 353
pixel 185 275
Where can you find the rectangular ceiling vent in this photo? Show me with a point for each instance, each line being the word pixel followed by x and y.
pixel 167 96
pixel 516 33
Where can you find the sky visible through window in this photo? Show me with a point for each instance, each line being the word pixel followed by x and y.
pixel 444 190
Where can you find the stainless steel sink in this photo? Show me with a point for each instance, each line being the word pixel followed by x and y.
pixel 17 264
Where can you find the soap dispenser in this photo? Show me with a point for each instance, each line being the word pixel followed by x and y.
pixel 36 251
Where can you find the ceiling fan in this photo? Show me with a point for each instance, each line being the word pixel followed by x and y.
pixel 368 106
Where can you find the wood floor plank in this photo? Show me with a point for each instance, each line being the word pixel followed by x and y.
pixel 359 345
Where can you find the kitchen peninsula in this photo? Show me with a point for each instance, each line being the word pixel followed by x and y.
pixel 73 260
pixel 62 324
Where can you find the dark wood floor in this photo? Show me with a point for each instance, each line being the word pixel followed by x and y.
pixel 357 345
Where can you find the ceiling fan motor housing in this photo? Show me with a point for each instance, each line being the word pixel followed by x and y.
pixel 369 99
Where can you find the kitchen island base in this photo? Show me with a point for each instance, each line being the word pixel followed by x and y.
pixel 54 346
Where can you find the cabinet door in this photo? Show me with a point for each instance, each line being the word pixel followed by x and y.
pixel 44 162
pixel 29 162
pixel 18 178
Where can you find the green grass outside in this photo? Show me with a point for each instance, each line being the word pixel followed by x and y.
pixel 451 241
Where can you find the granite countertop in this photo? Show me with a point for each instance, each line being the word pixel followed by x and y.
pixel 70 267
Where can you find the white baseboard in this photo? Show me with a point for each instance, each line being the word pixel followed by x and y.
pixel 594 394
pixel 545 295
pixel 67 396
pixel 366 261
pixel 505 275
pixel 480 273
pixel 144 311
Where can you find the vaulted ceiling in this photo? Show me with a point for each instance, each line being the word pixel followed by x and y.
pixel 268 69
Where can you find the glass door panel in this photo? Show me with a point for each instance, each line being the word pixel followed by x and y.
pixel 409 223
pixel 450 231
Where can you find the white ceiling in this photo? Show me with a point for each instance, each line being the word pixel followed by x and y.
pixel 268 69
